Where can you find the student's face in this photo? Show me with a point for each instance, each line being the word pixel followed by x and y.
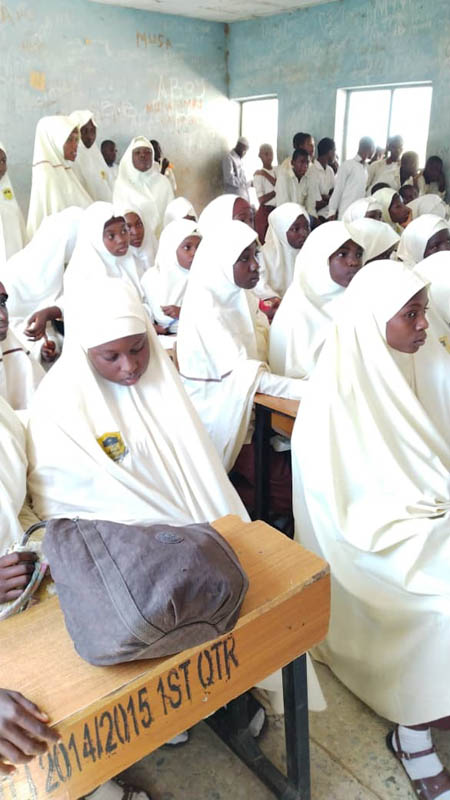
pixel 122 361
pixel 116 237
pixel 298 232
pixel 266 156
pixel 243 211
pixel 246 268
pixel 135 228
pixel 187 250
pixel 4 318
pixel 70 148
pixel 409 193
pixel 406 331
pixel 374 215
pixel 410 165
pixel 309 145
pixel 3 164
pixel 439 241
pixel 241 149
pixel 433 171
pixel 345 262
pixel 142 158
pixel 109 152
pixel 300 166
pixel 397 210
pixel 88 133
pixel 396 149
pixel 331 156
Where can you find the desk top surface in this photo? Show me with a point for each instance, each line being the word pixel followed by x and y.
pixel 280 404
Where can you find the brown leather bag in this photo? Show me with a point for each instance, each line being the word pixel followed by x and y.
pixel 133 591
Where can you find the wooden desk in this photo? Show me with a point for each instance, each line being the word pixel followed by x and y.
pixel 266 407
pixel 110 717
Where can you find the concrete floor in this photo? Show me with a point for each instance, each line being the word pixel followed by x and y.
pixel 349 758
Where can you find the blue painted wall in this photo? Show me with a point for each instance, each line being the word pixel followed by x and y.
pixel 140 73
pixel 304 56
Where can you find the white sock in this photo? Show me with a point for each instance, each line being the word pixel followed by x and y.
pixel 413 741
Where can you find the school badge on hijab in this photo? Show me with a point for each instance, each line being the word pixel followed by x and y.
pixel 113 445
pixel 7 193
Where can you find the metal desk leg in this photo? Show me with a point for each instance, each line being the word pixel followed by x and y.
pixel 262 461
pixel 296 726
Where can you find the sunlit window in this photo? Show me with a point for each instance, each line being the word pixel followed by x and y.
pixel 381 112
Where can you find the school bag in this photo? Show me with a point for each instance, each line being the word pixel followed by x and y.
pixel 130 592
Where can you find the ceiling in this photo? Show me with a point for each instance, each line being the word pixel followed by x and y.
pixel 217 10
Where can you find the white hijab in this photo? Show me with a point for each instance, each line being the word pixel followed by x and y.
pixel 165 284
pixel 216 212
pixel 414 239
pixel 145 254
pixel 357 209
pixel 301 323
pixel 179 208
pixel 11 215
pixel 384 198
pixel 374 236
pixel 133 186
pixel 432 361
pixel 34 276
pixel 428 204
pixel 91 260
pixel 277 256
pixel 90 166
pixel 374 472
pixel 156 473
pixel 54 185
pixel 13 476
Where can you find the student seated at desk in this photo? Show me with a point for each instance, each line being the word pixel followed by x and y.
pixel 384 525
pixel 288 230
pixel 327 262
pixel 222 344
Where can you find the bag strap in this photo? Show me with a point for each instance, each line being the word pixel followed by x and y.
pixel 32 529
pixel 115 585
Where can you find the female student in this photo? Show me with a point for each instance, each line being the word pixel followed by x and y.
pixel 424 236
pixel 90 166
pixel 179 208
pixel 326 264
pixel 54 185
pixel 223 208
pixel 394 211
pixel 288 230
pixel 143 242
pixel 136 181
pixel 222 339
pixel 378 240
pixel 112 411
pixel 165 284
pixel 383 525
pixel 364 207
pixel 10 213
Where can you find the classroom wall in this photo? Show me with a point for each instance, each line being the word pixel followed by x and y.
pixel 304 56
pixel 138 72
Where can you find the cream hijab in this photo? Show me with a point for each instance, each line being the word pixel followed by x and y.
pixel 89 166
pixel 145 254
pixel 156 471
pixel 432 361
pixel 428 204
pixel 374 236
pixel 415 237
pixel 13 477
pixel 165 284
pixel 11 215
pixel 54 185
pixel 34 277
pixel 301 323
pixel 277 256
pixel 133 186
pixel 179 208
pixel 216 212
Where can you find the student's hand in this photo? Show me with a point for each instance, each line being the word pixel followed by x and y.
pixel 332 218
pixel 16 570
pixel 48 352
pixel 36 324
pixel 172 311
pixel 24 732
pixel 159 329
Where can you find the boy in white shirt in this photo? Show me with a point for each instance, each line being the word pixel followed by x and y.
pixel 264 181
pixel 321 179
pixel 351 180
pixel 292 185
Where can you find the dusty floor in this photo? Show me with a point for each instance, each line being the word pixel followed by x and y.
pixel 349 758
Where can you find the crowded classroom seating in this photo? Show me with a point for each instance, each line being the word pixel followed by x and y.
pixel 137 325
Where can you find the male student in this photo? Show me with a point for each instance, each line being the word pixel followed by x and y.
pixel 292 184
pixel 351 180
pixel 321 179
pixel 387 170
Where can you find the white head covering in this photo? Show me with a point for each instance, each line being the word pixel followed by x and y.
pixel 277 255
pixel 132 185
pixel 11 215
pixel 89 165
pixel 302 321
pixel 357 209
pixel 374 236
pixel 156 471
pixel 375 477
pixel 13 476
pixel 34 276
pixel 384 198
pixel 415 237
pixel 428 204
pixel 179 208
pixel 145 254
pixel 54 185
pixel 216 212
pixel 165 284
